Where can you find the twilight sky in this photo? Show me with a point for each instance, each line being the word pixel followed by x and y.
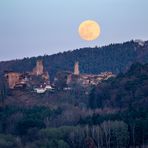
pixel 37 27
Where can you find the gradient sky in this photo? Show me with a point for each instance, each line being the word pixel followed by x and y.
pixel 37 27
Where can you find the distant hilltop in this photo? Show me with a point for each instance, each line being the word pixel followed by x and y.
pixel 115 58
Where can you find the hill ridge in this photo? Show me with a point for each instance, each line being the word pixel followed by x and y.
pixel 114 57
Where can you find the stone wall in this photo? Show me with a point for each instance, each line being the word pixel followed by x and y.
pixel 12 78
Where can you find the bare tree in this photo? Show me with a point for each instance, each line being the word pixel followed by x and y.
pixel 97 135
pixel 106 127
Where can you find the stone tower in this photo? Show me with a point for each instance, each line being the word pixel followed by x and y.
pixel 76 69
pixel 12 78
pixel 39 69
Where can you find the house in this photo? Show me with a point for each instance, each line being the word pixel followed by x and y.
pixel 40 90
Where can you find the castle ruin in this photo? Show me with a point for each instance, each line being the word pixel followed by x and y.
pixel 39 78
pixel 12 78
pixel 20 80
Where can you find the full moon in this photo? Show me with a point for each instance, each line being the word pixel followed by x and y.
pixel 89 30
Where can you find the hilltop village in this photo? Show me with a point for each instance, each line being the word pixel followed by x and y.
pixel 38 79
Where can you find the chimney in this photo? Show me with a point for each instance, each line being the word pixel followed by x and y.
pixel 76 69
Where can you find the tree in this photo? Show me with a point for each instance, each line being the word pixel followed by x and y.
pixel 106 127
pixel 8 141
pixel 120 134
pixel 3 91
pixel 97 135
pixel 76 137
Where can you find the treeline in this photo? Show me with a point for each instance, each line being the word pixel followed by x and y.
pixel 107 134
pixel 3 90
pixel 22 127
pixel 18 120
pixel 30 128
pixel 136 120
pixel 115 58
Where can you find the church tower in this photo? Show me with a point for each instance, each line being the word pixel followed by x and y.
pixel 76 69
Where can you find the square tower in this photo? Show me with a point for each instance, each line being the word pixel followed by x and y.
pixel 39 69
pixel 76 68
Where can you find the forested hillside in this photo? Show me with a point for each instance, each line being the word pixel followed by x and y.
pixel 114 114
pixel 115 57
pixel 126 91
